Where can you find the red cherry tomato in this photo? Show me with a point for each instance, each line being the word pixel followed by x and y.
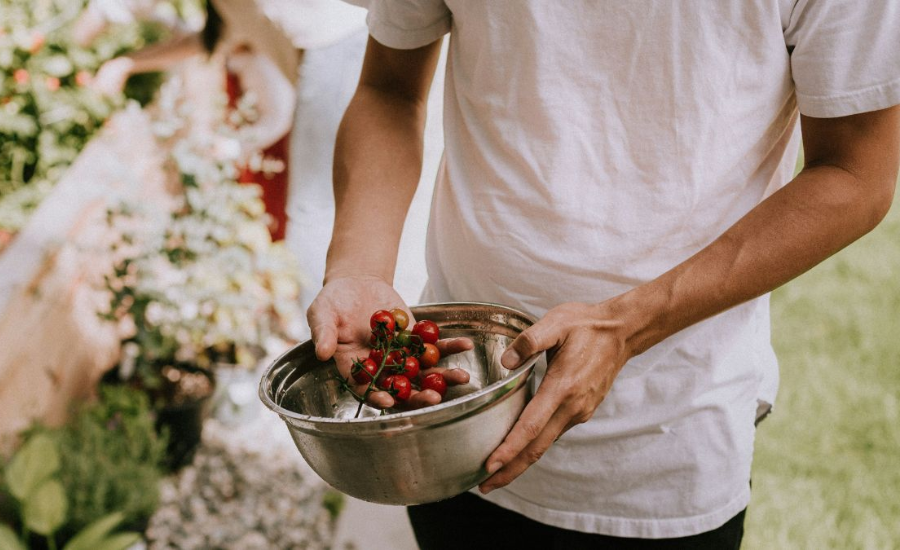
pixel 381 379
pixel 435 381
pixel 401 318
pixel 430 356
pixel 395 358
pixel 426 330
pixel 364 371
pixel 376 355
pixel 410 368
pixel 398 386
pixel 382 323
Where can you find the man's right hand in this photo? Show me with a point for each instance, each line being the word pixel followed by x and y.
pixel 339 321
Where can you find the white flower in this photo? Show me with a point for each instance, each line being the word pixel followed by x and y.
pixel 189 310
pixel 154 313
pixel 226 149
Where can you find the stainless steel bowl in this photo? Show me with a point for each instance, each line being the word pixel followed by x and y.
pixel 408 457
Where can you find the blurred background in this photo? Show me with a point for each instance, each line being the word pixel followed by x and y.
pixel 165 207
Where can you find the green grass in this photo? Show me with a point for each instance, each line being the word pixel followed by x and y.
pixel 827 465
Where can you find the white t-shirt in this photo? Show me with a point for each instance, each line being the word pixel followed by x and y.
pixel 591 145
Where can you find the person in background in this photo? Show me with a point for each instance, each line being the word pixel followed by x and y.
pixel 625 172
pixel 298 58
pixel 258 59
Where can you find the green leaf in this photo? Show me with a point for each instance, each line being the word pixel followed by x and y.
pixel 45 509
pixel 37 460
pixel 119 541
pixel 9 540
pixel 92 535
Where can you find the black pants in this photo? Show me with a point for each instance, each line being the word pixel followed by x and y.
pixel 468 522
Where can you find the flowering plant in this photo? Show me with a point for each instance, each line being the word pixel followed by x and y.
pixel 48 110
pixel 200 283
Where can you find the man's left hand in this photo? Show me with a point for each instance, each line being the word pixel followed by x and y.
pixel 588 345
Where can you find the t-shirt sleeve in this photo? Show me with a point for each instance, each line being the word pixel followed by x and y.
pixel 408 24
pixel 845 55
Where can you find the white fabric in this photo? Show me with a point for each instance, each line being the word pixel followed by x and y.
pixel 326 82
pixel 313 24
pixel 591 145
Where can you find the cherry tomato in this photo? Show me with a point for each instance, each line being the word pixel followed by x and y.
pixel 401 318
pixel 377 355
pixel 430 356
pixel 426 330
pixel 410 368
pixel 364 371
pixel 404 338
pixel 398 386
pixel 382 323
pixel 395 358
pixel 435 381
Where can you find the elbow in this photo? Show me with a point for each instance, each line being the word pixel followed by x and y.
pixel 867 194
pixel 881 199
pixel 883 185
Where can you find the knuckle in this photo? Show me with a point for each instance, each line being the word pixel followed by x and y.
pixel 580 410
pixel 583 416
pixel 529 341
pixel 568 310
pixel 533 454
pixel 531 430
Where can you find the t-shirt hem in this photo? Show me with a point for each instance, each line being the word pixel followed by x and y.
pixel 406 39
pixel 619 526
pixel 873 98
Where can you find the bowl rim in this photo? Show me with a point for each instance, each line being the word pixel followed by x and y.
pixel 418 414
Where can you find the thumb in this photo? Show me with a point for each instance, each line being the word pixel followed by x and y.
pixel 539 337
pixel 323 328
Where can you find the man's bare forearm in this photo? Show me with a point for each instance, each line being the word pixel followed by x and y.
pixel 825 208
pixel 377 165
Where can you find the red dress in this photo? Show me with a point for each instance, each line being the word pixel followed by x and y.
pixel 274 186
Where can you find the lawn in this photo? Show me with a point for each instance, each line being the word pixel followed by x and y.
pixel 827 464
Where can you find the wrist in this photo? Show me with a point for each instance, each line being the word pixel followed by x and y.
pixel 641 312
pixel 351 256
pixel 334 275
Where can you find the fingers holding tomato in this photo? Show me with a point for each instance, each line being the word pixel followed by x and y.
pixel 412 354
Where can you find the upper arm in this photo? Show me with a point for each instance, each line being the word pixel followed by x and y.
pixel 866 145
pixel 405 74
pixel 843 57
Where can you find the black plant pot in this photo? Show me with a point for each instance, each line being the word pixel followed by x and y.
pixel 179 413
pixel 183 423
pixel 181 417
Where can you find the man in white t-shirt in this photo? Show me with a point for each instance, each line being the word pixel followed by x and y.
pixel 624 170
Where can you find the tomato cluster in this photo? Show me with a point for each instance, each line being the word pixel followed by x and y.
pixel 398 356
